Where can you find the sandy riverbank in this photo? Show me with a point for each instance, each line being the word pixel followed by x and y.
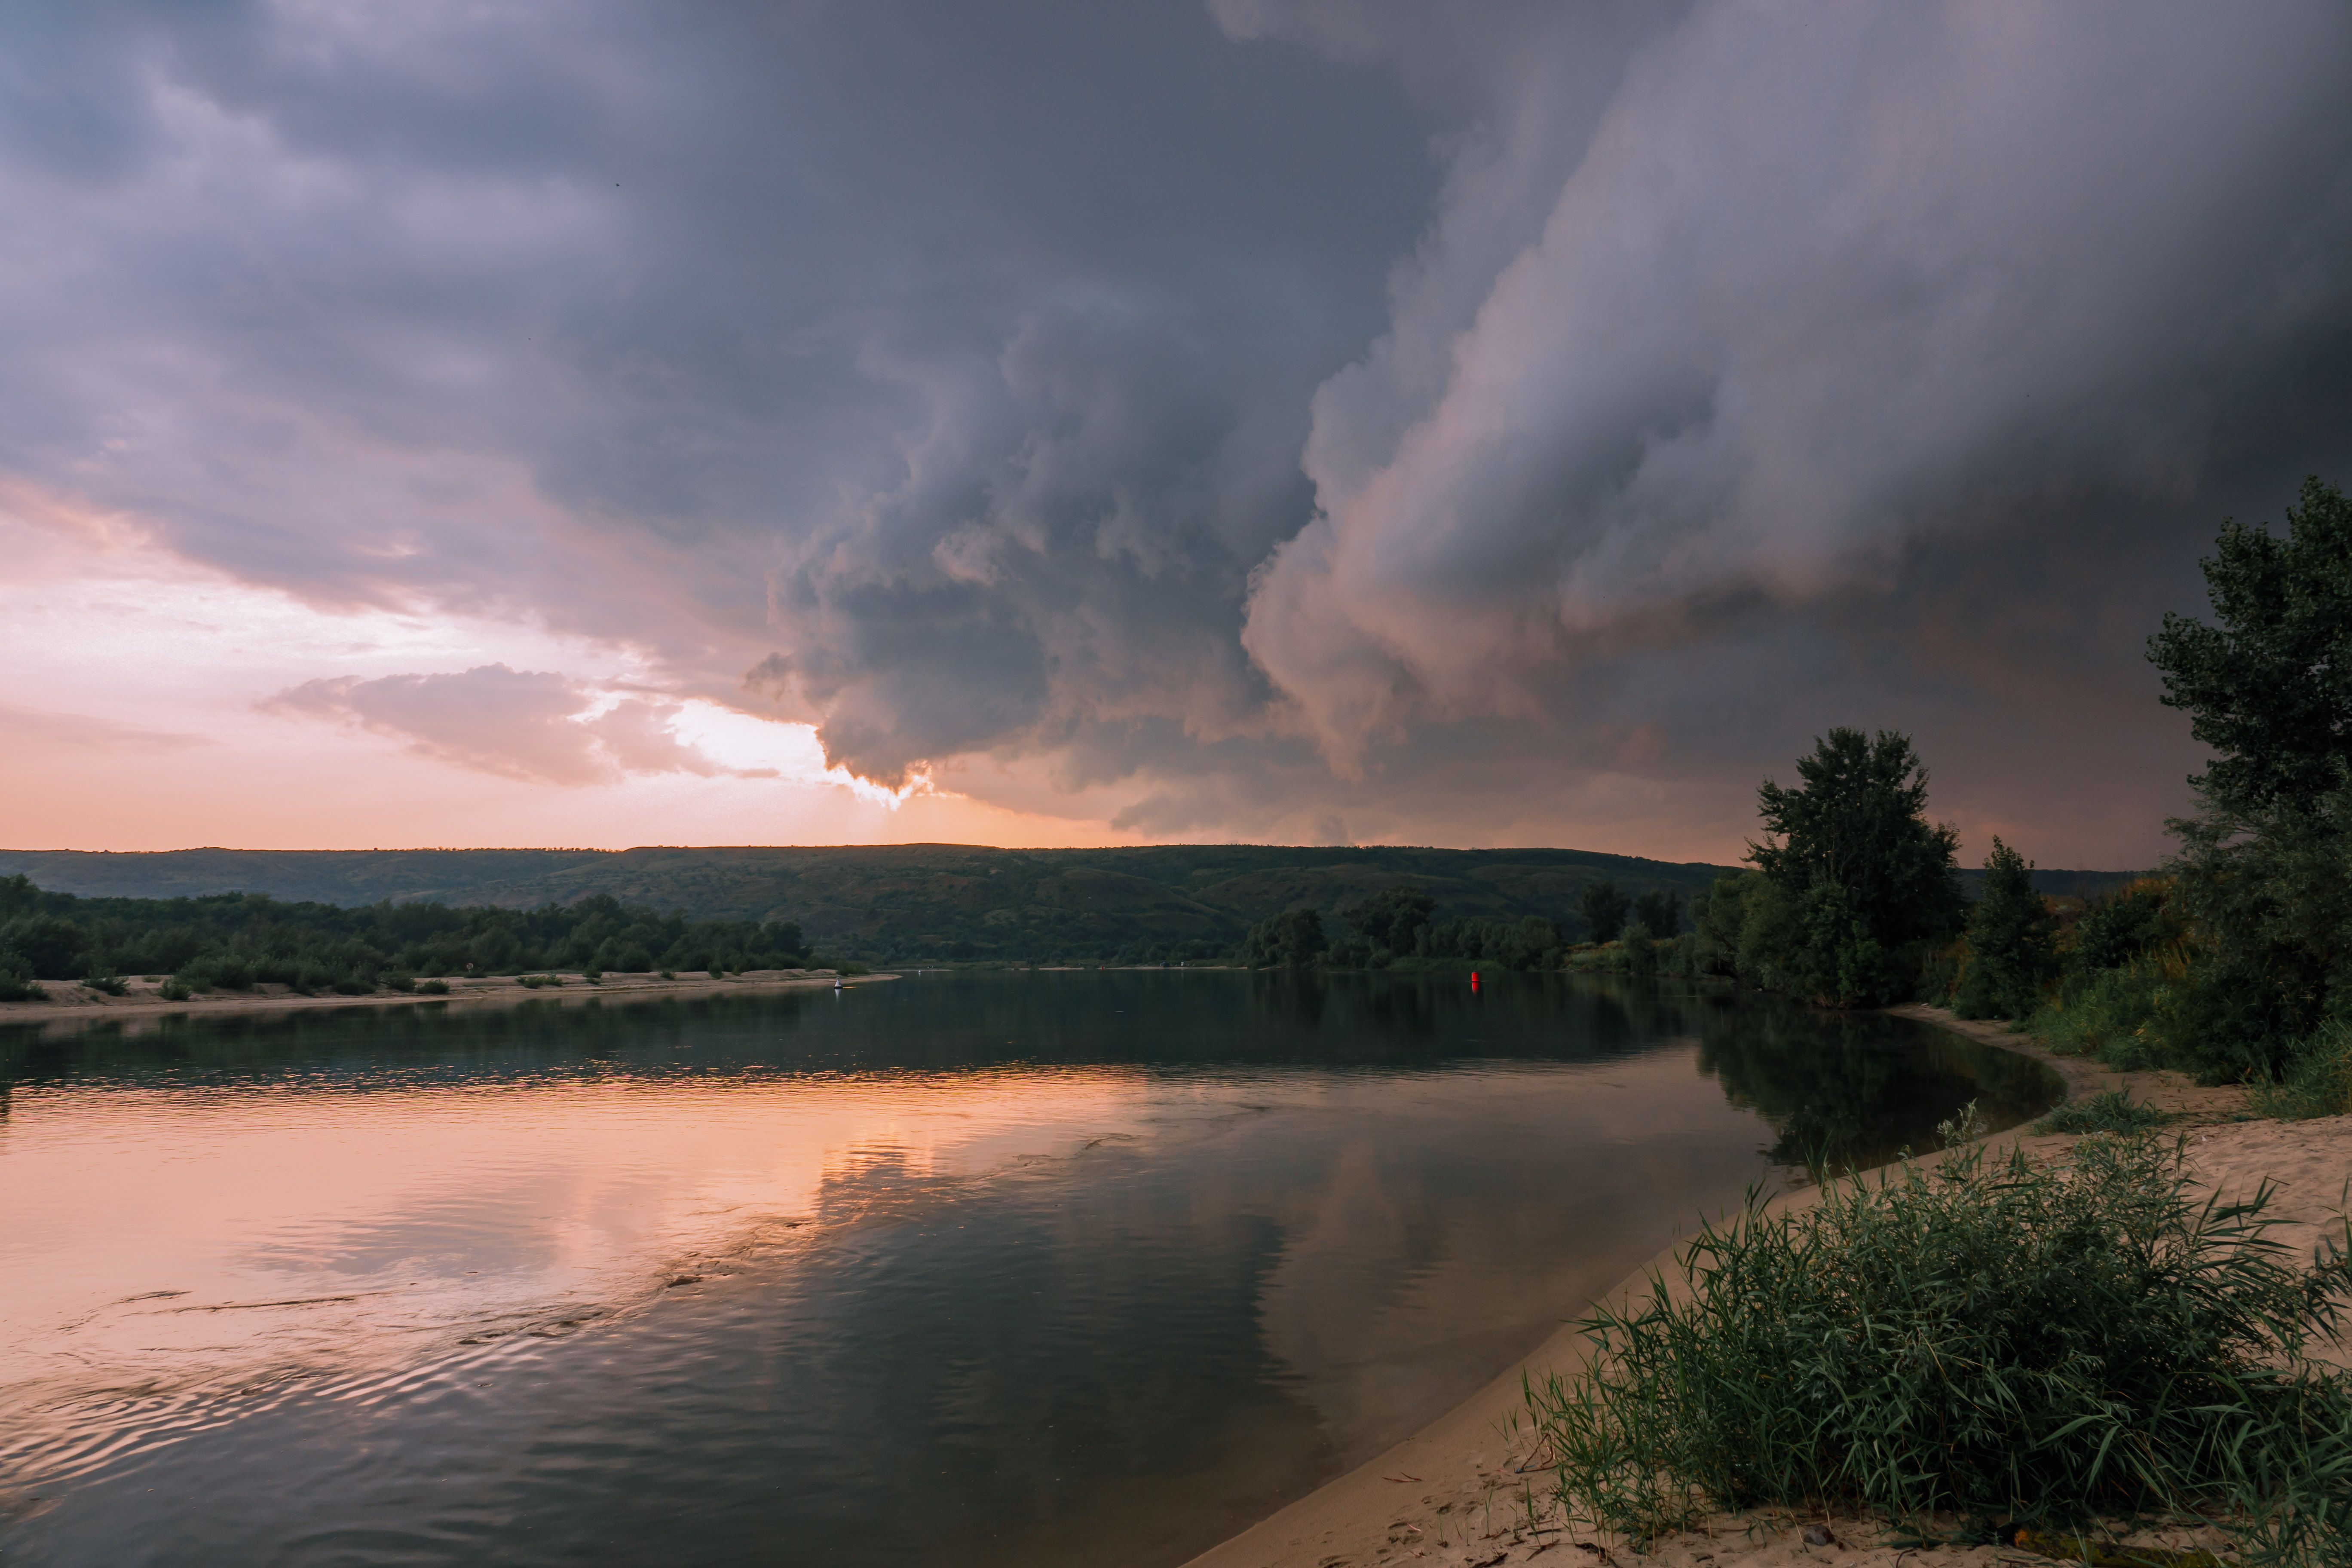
pixel 72 1005
pixel 1450 1494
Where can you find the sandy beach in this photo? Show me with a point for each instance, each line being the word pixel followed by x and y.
pixel 1456 1492
pixel 72 1005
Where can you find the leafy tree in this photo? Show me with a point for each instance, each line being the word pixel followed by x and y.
pixel 1393 918
pixel 2270 893
pixel 1602 909
pixel 2269 687
pixel 1859 879
pixel 1293 940
pixel 2265 867
pixel 2012 946
pixel 1716 916
pixel 1659 912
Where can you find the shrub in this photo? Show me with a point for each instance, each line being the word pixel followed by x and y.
pixel 2045 1341
pixel 2318 1076
pixel 17 982
pixel 113 984
pixel 174 989
pixel 401 980
pixel 433 987
pixel 2114 1111
pixel 1640 952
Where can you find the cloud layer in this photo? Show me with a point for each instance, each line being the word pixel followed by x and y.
pixel 1271 418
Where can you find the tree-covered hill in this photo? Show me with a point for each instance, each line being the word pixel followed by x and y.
pixel 899 902
pixel 909 902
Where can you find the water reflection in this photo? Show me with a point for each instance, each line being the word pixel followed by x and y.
pixel 1080 1267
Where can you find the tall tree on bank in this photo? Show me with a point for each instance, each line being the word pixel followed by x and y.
pixel 2265 867
pixel 2012 946
pixel 1856 879
pixel 2269 686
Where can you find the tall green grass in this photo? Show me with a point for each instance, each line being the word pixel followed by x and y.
pixel 2318 1080
pixel 2044 1343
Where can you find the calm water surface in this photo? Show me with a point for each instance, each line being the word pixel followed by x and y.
pixel 1018 1268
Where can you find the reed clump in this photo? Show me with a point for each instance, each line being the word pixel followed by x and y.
pixel 2050 1343
pixel 2114 1111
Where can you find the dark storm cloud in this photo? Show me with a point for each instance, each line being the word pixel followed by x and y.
pixel 1305 417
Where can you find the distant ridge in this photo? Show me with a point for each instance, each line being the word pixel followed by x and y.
pixel 899 902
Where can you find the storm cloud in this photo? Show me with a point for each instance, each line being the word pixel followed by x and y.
pixel 1246 418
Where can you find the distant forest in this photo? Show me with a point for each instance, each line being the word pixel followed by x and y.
pixel 232 942
pixel 514 911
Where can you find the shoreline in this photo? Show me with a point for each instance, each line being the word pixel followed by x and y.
pixel 1451 1493
pixel 75 1005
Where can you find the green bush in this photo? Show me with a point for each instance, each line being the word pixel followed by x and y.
pixel 2318 1076
pixel 2035 1341
pixel 174 989
pixel 106 980
pixel 2114 1111
pixel 433 987
pixel 2123 1016
pixel 17 982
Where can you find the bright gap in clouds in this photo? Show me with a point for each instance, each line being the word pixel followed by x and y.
pixel 157 704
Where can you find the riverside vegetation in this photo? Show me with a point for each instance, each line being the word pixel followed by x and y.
pixel 235 942
pixel 2057 1342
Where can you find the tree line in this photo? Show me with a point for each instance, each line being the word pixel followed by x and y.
pixel 236 940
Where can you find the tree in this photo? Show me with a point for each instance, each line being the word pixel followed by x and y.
pixel 1602 909
pixel 1659 912
pixel 2012 947
pixel 1860 877
pixel 1289 940
pixel 2269 687
pixel 2265 867
pixel 1393 918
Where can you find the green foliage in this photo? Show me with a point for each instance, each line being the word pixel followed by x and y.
pixel 1602 908
pixel 174 989
pixel 2123 1016
pixel 2269 686
pixel 2318 1080
pixel 1392 919
pixel 2012 947
pixel 913 902
pixel 2116 931
pixel 433 988
pixel 1716 916
pixel 2264 873
pixel 1292 940
pixel 235 942
pixel 1995 1340
pixel 107 981
pixel 2114 1111
pixel 1859 882
pixel 17 982
pixel 1640 951
pixel 1659 912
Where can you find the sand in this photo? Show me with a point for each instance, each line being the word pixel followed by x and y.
pixel 1452 1493
pixel 72 1006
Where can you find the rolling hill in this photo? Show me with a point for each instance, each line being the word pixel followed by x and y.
pixel 898 903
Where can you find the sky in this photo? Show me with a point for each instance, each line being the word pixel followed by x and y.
pixel 575 423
